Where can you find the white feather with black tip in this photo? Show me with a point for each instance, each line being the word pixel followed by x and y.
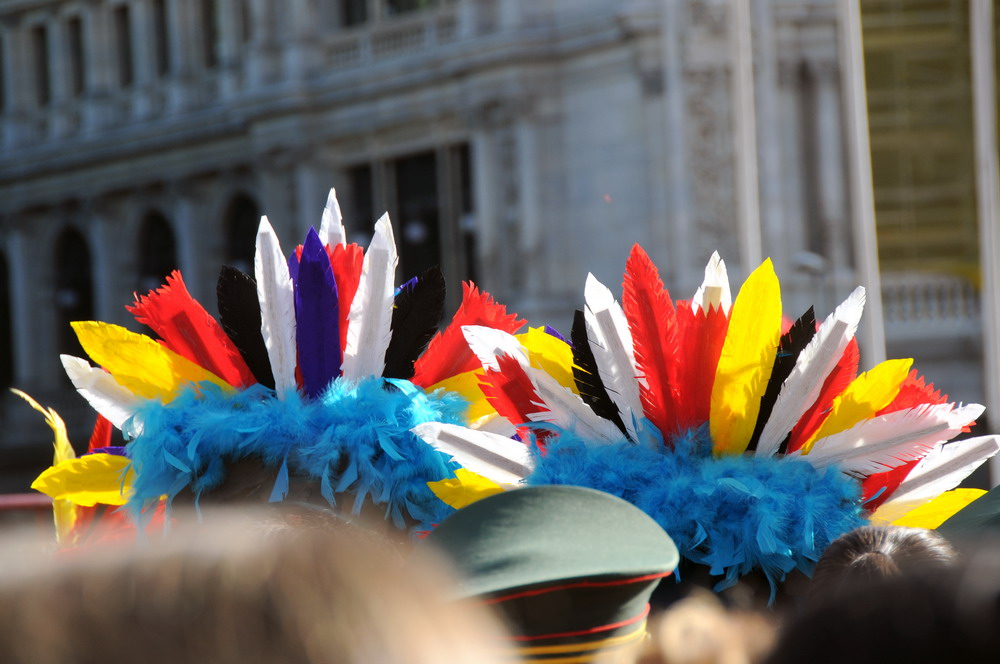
pixel 802 387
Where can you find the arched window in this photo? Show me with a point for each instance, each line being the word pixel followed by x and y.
pixel 6 333
pixel 157 252
pixel 241 222
pixel 74 287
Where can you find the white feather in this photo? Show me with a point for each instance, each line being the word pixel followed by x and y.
pixel 884 442
pixel 500 459
pixel 611 342
pixel 494 423
pixel 941 470
pixel 369 326
pixel 714 290
pixel 331 229
pixel 802 387
pixel 568 411
pixel 277 307
pixel 101 390
pixel 488 343
pixel 561 407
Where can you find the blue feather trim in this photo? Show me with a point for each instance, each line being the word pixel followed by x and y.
pixel 732 513
pixel 353 438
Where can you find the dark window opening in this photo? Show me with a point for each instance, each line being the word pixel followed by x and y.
pixel 241 222
pixel 418 227
pixel 466 213
pixel 6 330
pixel 247 17
pixel 157 252
pixel 360 213
pixel 393 7
pixel 210 33
pixel 3 99
pixel 74 298
pixel 353 12
pixel 77 68
pixel 123 37
pixel 161 27
pixel 43 84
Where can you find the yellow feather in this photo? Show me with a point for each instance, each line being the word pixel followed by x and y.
pixel 91 479
pixel 64 513
pixel 464 489
pixel 866 395
pixel 746 361
pixel 466 385
pixel 550 354
pixel 932 514
pixel 140 364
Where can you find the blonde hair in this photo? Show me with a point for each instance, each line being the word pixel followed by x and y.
pixel 228 591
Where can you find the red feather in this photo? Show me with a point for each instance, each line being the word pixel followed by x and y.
pixel 889 481
pixel 347 261
pixel 448 354
pixel 101 435
pixel 188 330
pixel 512 394
pixel 653 324
pixel 914 392
pixel 838 380
pixel 700 337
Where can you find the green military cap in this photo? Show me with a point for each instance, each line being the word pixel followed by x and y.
pixel 570 568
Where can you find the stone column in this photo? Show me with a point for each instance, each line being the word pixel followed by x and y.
pixel 184 49
pixel 301 50
pixel 112 283
pixel 99 42
pixel 61 123
pixel 277 186
pixel 187 220
pixel 24 302
pixel 143 59
pixel 229 19
pixel 14 92
pixel 312 184
pixel 260 61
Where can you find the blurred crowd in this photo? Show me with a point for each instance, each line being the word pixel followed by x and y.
pixel 300 585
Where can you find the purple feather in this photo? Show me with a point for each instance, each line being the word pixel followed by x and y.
pixel 405 288
pixel 293 265
pixel 317 316
pixel 553 332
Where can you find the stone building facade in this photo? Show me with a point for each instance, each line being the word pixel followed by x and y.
pixel 517 142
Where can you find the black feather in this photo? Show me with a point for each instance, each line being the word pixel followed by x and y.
pixel 239 312
pixel 415 317
pixel 789 347
pixel 588 378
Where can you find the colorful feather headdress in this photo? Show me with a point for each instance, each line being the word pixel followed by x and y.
pixel 752 445
pixel 315 376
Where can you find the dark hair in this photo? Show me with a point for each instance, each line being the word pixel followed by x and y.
pixel 871 553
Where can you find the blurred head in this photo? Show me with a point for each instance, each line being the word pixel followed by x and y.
pixel 870 553
pixel 226 591
pixel 700 630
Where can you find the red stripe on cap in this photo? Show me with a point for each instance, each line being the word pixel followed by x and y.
pixel 584 632
pixel 578 584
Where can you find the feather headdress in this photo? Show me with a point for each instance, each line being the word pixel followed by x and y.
pixel 752 445
pixel 308 381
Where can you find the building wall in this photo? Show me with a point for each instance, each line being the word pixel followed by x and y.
pixel 590 125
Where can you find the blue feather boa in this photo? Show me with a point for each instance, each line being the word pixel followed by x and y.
pixel 353 438
pixel 731 513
